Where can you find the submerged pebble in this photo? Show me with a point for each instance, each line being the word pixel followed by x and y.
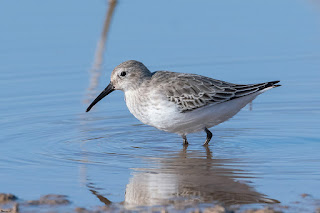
pixel 6 197
pixel 50 199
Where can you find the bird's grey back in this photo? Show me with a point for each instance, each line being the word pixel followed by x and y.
pixel 191 91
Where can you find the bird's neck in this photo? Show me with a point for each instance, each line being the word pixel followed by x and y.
pixel 136 101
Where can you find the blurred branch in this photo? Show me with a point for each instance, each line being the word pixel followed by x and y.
pixel 102 43
pixel 98 59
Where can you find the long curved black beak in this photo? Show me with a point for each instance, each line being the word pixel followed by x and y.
pixel 103 94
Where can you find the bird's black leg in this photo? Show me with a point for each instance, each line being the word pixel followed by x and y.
pixel 185 141
pixel 209 136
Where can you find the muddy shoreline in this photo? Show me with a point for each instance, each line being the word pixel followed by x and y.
pixel 11 203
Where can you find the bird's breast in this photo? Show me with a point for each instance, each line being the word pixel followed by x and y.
pixel 151 108
pixel 137 105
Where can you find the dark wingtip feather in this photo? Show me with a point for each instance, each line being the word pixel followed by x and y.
pixel 272 84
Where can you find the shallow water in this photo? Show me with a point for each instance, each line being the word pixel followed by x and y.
pixel 50 145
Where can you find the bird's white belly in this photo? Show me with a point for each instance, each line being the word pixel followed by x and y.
pixel 209 115
pixel 158 112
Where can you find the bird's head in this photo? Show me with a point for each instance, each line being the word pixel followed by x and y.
pixel 126 76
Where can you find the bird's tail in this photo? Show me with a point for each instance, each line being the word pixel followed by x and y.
pixel 272 84
pixel 268 85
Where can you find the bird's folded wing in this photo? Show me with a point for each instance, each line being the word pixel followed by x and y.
pixel 190 91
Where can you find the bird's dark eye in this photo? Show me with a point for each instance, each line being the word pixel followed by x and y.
pixel 123 74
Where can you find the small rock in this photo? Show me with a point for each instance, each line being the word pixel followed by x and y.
pixel 318 210
pixel 196 211
pixel 14 209
pixel 265 210
pixel 163 210
pixel 215 209
pixel 283 207
pixel 7 197
pixel 81 210
pixel 50 199
pixel 305 195
pixel 105 209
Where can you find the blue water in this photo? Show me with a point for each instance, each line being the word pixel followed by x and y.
pixel 50 145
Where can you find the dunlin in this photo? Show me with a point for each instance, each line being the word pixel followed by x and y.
pixel 180 103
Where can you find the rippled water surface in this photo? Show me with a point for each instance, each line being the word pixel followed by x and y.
pixel 50 145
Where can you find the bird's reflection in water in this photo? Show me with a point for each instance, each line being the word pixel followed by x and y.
pixel 190 177
pixel 95 192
